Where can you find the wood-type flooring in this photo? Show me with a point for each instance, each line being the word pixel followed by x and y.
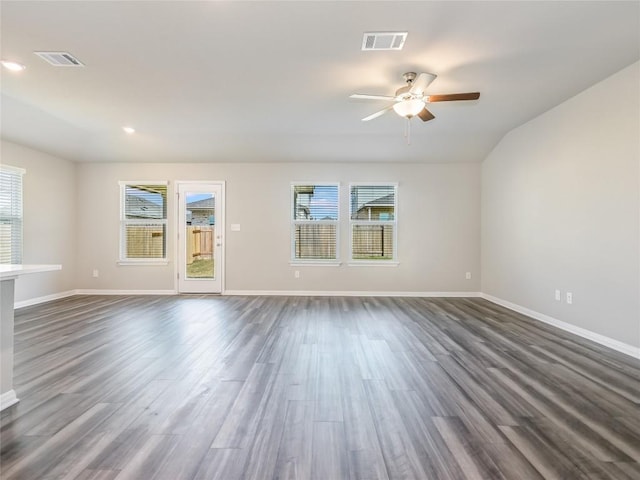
pixel 326 388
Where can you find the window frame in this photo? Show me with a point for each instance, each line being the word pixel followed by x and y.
pixel 392 262
pixel 124 222
pixel 294 222
pixel 16 252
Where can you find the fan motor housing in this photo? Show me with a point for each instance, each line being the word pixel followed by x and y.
pixel 403 93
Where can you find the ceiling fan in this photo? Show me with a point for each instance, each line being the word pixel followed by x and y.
pixel 410 101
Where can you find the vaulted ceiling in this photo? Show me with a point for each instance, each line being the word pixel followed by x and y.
pixel 214 81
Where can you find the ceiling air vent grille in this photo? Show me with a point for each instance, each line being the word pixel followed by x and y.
pixel 383 40
pixel 60 59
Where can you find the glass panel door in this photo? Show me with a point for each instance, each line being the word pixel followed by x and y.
pixel 200 241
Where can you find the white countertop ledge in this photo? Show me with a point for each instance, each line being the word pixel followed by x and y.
pixel 14 271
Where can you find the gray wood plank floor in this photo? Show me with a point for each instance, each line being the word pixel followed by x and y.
pixel 327 388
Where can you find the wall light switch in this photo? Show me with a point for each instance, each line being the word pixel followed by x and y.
pixel 235 227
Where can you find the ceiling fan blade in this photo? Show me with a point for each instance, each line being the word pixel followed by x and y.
pixel 420 84
pixel 453 97
pixel 364 96
pixel 425 115
pixel 377 114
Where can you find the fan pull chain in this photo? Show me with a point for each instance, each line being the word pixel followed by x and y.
pixel 407 131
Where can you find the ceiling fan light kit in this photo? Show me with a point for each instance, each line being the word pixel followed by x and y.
pixel 408 108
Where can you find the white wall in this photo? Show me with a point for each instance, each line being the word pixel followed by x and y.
pixel 438 227
pixel 49 229
pixel 561 210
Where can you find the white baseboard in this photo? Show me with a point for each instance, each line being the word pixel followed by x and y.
pixel 581 332
pixel 314 293
pixel 92 291
pixel 7 399
pixel 46 298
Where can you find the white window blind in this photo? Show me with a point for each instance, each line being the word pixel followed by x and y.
pixel 314 222
pixel 10 214
pixel 143 221
pixel 373 222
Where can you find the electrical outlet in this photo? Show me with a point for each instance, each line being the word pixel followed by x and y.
pixel 96 273
pixel 558 297
pixel 468 276
pixel 569 298
pixel 296 274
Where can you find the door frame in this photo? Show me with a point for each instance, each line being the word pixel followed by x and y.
pixel 220 218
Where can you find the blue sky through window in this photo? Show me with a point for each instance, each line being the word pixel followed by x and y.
pixel 194 197
pixel 323 204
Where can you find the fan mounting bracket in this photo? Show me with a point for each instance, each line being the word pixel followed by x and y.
pixel 409 77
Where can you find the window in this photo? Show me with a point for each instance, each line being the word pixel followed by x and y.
pixel 314 215
pixel 373 222
pixel 11 214
pixel 143 221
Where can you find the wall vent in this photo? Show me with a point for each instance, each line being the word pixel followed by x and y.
pixel 60 59
pixel 383 40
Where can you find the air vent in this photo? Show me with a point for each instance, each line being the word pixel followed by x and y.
pixel 383 40
pixel 60 59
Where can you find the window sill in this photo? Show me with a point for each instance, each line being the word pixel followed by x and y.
pixel 365 263
pixel 143 262
pixel 315 264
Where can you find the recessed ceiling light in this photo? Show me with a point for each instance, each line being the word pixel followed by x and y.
pixel 129 130
pixel 13 66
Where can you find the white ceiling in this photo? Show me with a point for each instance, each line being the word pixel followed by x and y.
pixel 270 81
